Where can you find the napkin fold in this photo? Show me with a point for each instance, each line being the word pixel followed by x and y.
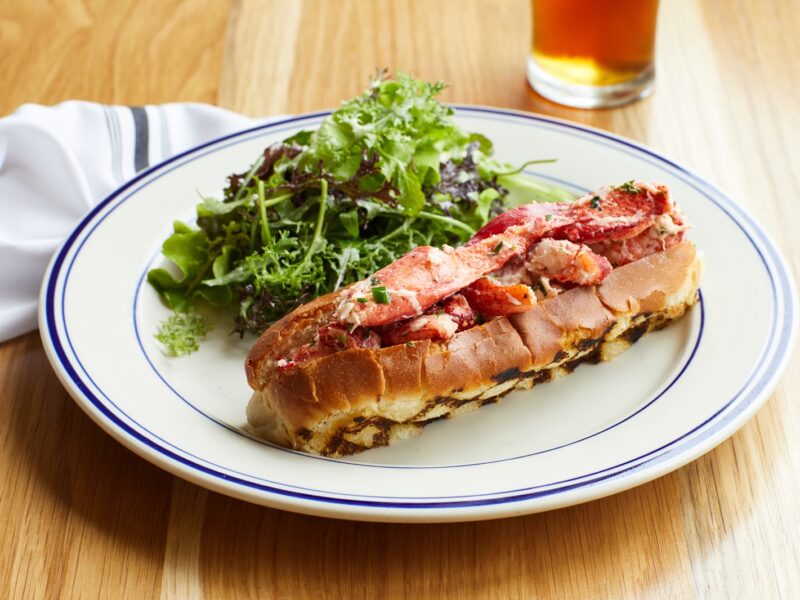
pixel 57 162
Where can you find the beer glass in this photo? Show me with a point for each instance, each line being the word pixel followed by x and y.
pixel 593 53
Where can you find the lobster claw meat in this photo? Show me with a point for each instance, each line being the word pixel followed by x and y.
pixel 492 299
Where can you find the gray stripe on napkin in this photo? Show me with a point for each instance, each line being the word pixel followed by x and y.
pixel 142 133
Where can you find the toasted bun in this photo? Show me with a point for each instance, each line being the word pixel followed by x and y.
pixel 358 399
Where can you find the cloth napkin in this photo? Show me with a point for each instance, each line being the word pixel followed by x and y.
pixel 57 162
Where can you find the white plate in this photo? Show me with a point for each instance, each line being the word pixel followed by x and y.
pixel 675 395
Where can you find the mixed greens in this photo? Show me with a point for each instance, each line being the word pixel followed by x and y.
pixel 386 172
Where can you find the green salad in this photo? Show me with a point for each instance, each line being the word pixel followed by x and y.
pixel 386 172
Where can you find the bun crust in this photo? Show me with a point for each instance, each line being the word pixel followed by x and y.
pixel 357 399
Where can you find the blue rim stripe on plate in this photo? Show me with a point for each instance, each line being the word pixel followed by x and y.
pixel 786 332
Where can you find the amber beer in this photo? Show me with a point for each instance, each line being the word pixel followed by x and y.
pixel 605 45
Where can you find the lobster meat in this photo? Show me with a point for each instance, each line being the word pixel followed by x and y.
pixel 625 222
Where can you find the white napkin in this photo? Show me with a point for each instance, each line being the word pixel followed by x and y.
pixel 57 162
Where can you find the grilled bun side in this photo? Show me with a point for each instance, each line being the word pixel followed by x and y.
pixel 358 399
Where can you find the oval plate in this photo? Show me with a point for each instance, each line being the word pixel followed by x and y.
pixel 673 396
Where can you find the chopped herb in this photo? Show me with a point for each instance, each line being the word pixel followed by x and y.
pixel 596 203
pixel 548 217
pixel 182 331
pixel 496 249
pixel 341 338
pixel 440 312
pixel 410 344
pixel 380 295
pixel 629 187
pixel 362 300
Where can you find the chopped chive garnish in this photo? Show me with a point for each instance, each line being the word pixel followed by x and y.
pixel 380 295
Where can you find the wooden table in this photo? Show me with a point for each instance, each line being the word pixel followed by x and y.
pixel 81 516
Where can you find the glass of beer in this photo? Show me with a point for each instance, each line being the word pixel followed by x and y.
pixel 593 53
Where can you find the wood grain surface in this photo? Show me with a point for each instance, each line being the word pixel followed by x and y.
pixel 83 517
